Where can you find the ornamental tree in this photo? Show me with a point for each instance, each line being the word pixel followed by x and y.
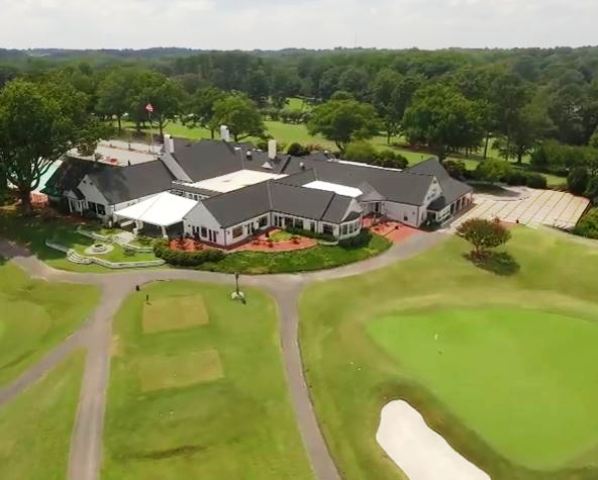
pixel 483 235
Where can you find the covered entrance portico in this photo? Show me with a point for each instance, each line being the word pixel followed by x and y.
pixel 162 211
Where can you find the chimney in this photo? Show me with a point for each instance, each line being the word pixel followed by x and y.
pixel 224 133
pixel 168 143
pixel 272 149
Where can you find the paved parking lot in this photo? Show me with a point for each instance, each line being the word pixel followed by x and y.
pixel 529 207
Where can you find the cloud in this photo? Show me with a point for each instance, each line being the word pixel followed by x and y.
pixel 272 24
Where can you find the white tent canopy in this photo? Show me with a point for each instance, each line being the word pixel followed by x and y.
pixel 162 210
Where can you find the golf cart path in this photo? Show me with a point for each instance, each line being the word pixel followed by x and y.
pixel 95 335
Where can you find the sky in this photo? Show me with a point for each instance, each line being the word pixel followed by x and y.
pixel 276 24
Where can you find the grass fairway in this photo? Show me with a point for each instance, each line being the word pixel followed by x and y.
pixel 163 314
pixel 35 428
pixel 209 401
pixel 511 380
pixel 35 316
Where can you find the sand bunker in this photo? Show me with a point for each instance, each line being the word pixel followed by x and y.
pixel 418 450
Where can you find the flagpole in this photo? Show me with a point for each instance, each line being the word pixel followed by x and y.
pixel 149 114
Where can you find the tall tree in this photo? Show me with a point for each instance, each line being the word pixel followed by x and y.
pixel 343 121
pixel 200 108
pixel 442 118
pixel 240 114
pixel 115 95
pixel 38 124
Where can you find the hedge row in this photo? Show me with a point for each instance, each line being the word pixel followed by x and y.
pixel 529 179
pixel 186 259
pixel 309 234
pixel 358 241
pixel 588 225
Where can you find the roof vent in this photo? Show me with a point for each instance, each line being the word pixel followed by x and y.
pixel 267 166
pixel 249 155
pixel 302 166
pixel 224 133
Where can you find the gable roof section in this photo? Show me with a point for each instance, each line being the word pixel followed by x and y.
pixel 393 185
pixel 69 175
pixel 122 184
pixel 241 205
pixel 451 189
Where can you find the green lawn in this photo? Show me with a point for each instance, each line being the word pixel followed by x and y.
pixel 35 428
pixel 209 401
pixel 36 316
pixel 317 258
pixel 511 380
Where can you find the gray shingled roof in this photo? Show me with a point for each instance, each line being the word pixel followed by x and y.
pixel 213 158
pixel 70 173
pixel 451 189
pixel 240 205
pixel 122 184
pixel 394 185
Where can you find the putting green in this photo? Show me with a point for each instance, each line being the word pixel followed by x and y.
pixel 526 381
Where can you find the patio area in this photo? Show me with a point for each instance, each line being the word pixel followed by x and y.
pixel 272 241
pixel 394 231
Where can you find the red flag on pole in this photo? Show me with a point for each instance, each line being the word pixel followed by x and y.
pixel 149 108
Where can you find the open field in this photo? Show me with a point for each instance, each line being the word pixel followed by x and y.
pixel 209 401
pixel 35 428
pixel 510 380
pixel 35 316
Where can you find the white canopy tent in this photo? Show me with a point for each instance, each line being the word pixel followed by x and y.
pixel 162 210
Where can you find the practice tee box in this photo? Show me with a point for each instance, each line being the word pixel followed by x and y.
pixel 159 372
pixel 174 313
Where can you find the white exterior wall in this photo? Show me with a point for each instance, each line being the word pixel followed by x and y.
pixel 249 226
pixel 199 217
pixel 401 212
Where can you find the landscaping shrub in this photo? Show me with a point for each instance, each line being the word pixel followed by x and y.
pixel 516 178
pixel 535 180
pixel 297 150
pixel 309 234
pixel 390 159
pixel 577 180
pixel 588 225
pixel 186 259
pixel 455 168
pixel 493 170
pixel 359 241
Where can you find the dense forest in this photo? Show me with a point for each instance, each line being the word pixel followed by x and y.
pixel 533 106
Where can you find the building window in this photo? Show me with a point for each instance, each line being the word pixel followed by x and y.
pixel 101 209
pixel 298 223
pixel 237 231
pixel 327 229
pixel 344 229
pixel 263 221
pixel 204 232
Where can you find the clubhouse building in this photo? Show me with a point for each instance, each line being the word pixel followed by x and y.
pixel 223 193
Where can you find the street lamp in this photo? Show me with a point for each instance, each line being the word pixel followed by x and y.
pixel 237 283
pixel 238 294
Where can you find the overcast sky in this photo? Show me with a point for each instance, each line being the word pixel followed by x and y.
pixel 275 24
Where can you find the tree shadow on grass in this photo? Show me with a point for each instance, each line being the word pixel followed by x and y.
pixel 499 263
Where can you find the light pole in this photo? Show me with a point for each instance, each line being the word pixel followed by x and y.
pixel 237 284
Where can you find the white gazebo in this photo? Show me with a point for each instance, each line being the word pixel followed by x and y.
pixel 162 210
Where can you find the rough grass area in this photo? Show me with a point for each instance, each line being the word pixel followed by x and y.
pixel 177 313
pixel 35 316
pixel 157 372
pixel 239 426
pixel 316 258
pixel 510 381
pixel 35 428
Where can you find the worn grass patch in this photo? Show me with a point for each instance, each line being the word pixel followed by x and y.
pixel 167 419
pixel 177 371
pixel 174 313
